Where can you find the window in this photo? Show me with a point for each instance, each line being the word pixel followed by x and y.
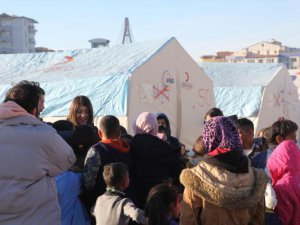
pixel 262 45
pixel 294 59
pixel 275 52
pixel 260 61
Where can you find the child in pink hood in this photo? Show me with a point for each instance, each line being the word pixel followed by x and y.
pixel 284 167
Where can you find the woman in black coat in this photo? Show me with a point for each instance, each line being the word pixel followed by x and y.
pixel 154 160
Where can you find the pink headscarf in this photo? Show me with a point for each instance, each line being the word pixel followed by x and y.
pixel 146 123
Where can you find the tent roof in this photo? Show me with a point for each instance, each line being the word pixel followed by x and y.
pixel 98 73
pixel 240 74
pixel 72 64
pixel 238 87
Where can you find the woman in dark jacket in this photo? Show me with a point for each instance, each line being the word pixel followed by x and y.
pixel 163 121
pixel 154 160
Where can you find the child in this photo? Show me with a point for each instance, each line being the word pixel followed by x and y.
pixel 265 134
pixel 199 151
pixel 110 149
pixel 162 207
pixel 281 130
pixel 251 146
pixel 284 167
pixel 113 208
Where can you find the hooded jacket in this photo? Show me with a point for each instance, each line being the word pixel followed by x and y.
pixel 284 167
pixel 31 154
pixel 219 193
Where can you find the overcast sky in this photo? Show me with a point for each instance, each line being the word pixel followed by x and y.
pixel 202 27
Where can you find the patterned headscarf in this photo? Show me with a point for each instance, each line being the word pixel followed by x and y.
pixel 221 132
pixel 146 123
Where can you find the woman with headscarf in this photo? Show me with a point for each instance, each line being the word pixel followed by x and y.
pixel 223 188
pixel 164 123
pixel 154 160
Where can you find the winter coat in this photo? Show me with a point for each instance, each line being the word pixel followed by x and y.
pixel 69 187
pixel 115 209
pixel 284 167
pixel 97 157
pixel 31 154
pixel 154 161
pixel 260 162
pixel 214 195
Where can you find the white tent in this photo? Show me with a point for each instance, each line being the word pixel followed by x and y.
pixel 295 74
pixel 124 80
pixel 261 92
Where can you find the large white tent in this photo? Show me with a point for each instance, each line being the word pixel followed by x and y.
pixel 124 80
pixel 261 92
pixel 295 75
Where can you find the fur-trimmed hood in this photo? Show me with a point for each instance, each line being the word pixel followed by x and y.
pixel 223 188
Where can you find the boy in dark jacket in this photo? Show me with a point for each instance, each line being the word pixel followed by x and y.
pixel 110 149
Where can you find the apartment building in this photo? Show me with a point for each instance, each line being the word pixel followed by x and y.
pixel 262 52
pixel 292 60
pixel 17 34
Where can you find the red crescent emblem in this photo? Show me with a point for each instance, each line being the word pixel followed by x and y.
pixel 187 76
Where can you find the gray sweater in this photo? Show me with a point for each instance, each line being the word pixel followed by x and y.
pixel 114 209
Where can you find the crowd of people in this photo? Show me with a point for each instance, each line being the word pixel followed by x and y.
pixel 70 172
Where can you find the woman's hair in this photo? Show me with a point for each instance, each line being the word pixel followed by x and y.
pixel 159 203
pixel 266 135
pixel 76 103
pixel 282 128
pixel 213 112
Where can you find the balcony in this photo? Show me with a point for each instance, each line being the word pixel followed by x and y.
pixel 32 30
pixel 5 50
pixel 5 39
pixel 31 41
pixel 4 28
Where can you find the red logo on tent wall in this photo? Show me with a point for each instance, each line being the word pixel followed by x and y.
pixel 66 59
pixel 186 76
pixel 60 66
pixel 162 91
pixel 185 83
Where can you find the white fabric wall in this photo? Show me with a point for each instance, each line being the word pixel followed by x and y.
pixel 172 83
pixel 280 99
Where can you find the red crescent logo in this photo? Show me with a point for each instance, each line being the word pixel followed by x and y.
pixel 187 77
